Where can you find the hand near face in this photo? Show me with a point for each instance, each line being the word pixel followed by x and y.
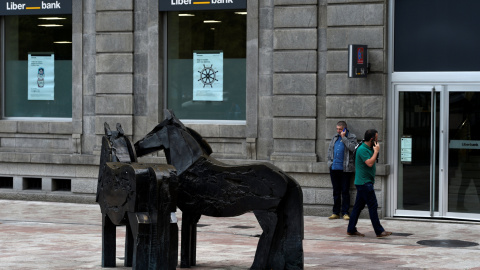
pixel 376 146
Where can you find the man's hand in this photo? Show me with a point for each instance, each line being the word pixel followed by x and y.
pixel 376 147
pixel 343 133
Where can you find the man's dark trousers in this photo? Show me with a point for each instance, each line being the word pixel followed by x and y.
pixel 365 195
pixel 341 185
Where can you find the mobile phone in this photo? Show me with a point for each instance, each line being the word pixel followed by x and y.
pixel 344 129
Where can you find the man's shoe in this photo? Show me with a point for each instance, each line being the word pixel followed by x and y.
pixel 334 216
pixel 346 217
pixel 384 234
pixel 356 234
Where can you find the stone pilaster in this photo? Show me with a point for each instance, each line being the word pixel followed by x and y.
pixel 294 80
pixel 114 29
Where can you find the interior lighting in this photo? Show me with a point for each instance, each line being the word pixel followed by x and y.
pixel 211 21
pixel 50 25
pixel 52 18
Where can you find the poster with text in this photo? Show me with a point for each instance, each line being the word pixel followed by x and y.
pixel 41 77
pixel 208 76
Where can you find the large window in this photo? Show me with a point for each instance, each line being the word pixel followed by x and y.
pixel 38 66
pixel 207 64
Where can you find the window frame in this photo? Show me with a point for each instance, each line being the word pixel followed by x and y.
pixel 250 123
pixel 77 60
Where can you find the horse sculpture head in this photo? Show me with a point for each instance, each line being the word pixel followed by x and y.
pixel 182 146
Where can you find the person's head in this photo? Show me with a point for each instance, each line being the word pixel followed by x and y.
pixel 371 135
pixel 340 126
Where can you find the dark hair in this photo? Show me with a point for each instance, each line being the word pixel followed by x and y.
pixel 370 134
pixel 342 123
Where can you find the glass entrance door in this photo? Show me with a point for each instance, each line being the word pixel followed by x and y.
pixel 437 170
pixel 418 150
pixel 464 152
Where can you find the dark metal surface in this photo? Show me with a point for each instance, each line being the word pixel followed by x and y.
pixel 241 227
pixel 141 197
pixel 447 243
pixel 209 187
pixel 402 234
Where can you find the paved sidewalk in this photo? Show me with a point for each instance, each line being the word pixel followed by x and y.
pixel 44 235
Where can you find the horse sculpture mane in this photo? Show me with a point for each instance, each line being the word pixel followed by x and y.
pixel 209 187
pixel 201 141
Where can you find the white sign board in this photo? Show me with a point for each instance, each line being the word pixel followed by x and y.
pixel 464 144
pixel 208 76
pixel 41 77
pixel 406 149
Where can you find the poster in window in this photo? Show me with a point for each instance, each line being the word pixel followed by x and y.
pixel 41 76
pixel 406 149
pixel 208 76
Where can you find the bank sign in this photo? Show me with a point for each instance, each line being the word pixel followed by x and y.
pixel 35 7
pixel 184 5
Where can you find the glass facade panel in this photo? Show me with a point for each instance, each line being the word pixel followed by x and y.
pixel 436 35
pixel 206 77
pixel 414 173
pixel 34 46
pixel 464 152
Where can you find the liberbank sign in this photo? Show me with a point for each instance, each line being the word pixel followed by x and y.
pixel 185 5
pixel 35 7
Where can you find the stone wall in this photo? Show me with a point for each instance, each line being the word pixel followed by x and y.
pixel 297 90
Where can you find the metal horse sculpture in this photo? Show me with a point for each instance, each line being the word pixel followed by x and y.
pixel 141 197
pixel 209 187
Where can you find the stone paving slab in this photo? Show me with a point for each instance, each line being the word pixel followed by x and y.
pixel 48 235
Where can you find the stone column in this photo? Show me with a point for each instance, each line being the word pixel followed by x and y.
pixel 85 105
pixel 294 80
pixel 114 66
pixel 147 77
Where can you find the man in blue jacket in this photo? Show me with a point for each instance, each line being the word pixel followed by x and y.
pixel 366 155
pixel 340 160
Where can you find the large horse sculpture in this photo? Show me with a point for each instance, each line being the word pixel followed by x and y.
pixel 209 187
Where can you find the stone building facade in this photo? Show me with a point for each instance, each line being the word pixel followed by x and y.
pixel 297 90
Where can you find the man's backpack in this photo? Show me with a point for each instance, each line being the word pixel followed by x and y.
pixel 356 147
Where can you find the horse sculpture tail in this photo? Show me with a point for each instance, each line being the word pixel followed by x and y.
pixel 288 248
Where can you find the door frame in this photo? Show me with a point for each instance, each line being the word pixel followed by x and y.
pixel 444 89
pixel 467 78
pixel 450 88
pixel 425 88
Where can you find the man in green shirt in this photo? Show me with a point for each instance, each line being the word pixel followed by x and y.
pixel 366 155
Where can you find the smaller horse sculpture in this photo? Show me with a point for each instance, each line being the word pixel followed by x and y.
pixel 141 197
pixel 209 187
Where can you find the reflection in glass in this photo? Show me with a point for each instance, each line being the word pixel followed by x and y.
pixel 414 175
pixel 195 32
pixel 464 153
pixel 25 35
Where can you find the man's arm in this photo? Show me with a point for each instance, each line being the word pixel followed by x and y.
pixel 349 141
pixel 371 161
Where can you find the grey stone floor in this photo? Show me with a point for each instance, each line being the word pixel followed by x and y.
pixel 43 235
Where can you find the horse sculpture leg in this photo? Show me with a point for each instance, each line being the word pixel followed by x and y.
pixel 268 222
pixel 293 248
pixel 129 246
pixel 108 242
pixel 287 247
pixel 189 240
